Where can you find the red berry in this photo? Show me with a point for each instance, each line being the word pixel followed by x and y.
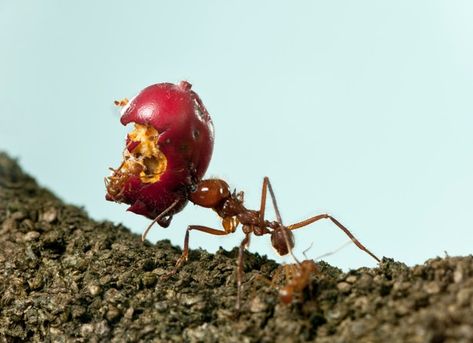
pixel 166 154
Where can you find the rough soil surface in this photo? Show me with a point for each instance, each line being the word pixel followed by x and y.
pixel 67 278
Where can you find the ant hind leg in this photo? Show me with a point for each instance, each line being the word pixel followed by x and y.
pixel 339 225
pixel 264 190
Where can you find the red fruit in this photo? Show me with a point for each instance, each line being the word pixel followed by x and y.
pixel 166 154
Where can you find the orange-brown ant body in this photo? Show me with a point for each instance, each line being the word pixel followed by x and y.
pixel 215 194
pixel 299 279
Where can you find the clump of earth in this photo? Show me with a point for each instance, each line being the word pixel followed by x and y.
pixel 67 278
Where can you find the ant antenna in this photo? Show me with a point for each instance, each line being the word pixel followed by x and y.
pixel 344 245
pixel 306 250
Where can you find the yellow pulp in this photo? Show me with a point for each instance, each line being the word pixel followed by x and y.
pixel 146 156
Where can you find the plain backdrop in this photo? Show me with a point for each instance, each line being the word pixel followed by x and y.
pixel 362 109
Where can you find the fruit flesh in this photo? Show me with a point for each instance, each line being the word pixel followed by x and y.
pixel 146 153
pixel 141 158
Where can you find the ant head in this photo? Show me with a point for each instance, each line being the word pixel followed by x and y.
pixel 282 240
pixel 210 193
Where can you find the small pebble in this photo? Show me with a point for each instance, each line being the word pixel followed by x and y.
pixel 86 330
pixel 351 279
pixel 49 215
pixel 343 287
pixel 464 296
pixel 112 314
pixel 129 313
pixel 94 289
pixel 432 287
pixel 31 236
pixel 149 279
pixel 258 305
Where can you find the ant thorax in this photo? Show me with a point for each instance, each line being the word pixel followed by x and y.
pixel 232 207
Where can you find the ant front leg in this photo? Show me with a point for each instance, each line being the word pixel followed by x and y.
pixel 244 243
pixel 340 226
pixel 185 253
pixel 161 219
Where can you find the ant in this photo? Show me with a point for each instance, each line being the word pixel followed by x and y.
pixel 215 194
pixel 300 276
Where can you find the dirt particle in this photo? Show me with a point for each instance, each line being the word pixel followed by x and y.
pixel 9 224
pixel 102 328
pixel 78 311
pixel 432 287
pixel 343 287
pixel 129 313
pixel 49 215
pixel 258 305
pixel 465 297
pixel 94 289
pixel 87 330
pixel 113 313
pixel 191 299
pixel 149 279
pixel 351 279
pixel 458 274
pixel 31 236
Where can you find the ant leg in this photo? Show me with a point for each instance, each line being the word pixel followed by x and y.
pixel 278 216
pixel 266 185
pixel 158 218
pixel 340 226
pixel 244 243
pixel 185 252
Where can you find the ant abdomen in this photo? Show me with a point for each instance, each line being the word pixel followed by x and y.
pixel 282 240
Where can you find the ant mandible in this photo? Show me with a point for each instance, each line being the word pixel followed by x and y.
pixel 215 194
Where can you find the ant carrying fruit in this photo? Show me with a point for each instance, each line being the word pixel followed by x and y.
pixel 165 158
pixel 215 194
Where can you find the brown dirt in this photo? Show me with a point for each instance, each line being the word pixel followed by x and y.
pixel 67 278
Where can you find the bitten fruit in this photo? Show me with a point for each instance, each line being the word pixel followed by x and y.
pixel 167 152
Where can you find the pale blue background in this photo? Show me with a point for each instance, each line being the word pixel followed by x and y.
pixel 360 108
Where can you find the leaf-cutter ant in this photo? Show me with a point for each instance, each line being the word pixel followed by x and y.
pixel 215 194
